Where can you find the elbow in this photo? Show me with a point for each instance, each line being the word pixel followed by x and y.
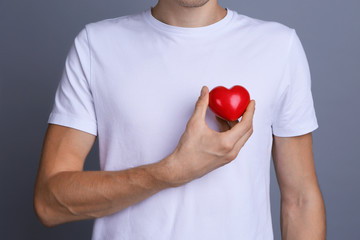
pixel 302 199
pixel 293 203
pixel 48 209
pixel 41 211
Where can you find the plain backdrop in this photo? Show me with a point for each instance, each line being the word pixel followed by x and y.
pixel 35 37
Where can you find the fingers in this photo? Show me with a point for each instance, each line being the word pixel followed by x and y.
pixel 239 144
pixel 231 124
pixel 245 124
pixel 202 104
pixel 249 112
pixel 223 125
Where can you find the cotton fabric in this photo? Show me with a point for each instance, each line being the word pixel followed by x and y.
pixel 133 81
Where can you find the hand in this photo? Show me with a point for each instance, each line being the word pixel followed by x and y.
pixel 201 149
pixel 224 124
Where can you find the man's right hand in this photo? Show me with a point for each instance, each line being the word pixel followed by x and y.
pixel 201 149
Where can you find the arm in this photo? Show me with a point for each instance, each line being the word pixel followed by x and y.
pixel 302 205
pixel 64 192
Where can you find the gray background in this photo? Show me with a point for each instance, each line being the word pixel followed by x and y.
pixel 35 37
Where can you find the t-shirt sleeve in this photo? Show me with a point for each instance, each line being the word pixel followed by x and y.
pixel 73 105
pixel 294 110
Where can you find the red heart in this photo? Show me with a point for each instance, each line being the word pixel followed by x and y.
pixel 229 104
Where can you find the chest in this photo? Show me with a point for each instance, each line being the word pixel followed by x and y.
pixel 152 88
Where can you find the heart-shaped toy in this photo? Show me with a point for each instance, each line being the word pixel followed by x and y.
pixel 229 104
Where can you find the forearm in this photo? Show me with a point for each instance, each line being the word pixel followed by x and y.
pixel 76 195
pixel 303 218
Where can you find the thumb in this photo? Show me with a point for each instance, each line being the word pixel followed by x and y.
pixel 202 103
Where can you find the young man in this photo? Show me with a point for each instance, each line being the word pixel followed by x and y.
pixel 169 171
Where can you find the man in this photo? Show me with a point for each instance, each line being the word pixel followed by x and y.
pixel 169 171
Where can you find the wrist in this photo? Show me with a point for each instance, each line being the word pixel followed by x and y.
pixel 162 172
pixel 167 171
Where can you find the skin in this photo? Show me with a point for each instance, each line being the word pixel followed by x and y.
pixel 200 13
pixel 64 192
pixel 302 205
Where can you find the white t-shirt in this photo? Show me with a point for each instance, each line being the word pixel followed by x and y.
pixel 133 81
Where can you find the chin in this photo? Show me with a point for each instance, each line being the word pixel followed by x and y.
pixel 191 3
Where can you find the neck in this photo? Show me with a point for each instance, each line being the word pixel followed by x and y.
pixel 182 14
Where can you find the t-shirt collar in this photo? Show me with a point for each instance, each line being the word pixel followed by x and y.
pixel 187 30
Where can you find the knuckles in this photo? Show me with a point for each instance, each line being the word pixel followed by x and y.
pixel 226 145
pixel 248 125
pixel 251 129
pixel 232 156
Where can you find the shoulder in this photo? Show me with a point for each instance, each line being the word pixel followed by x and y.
pixel 105 27
pixel 265 30
pixel 268 27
